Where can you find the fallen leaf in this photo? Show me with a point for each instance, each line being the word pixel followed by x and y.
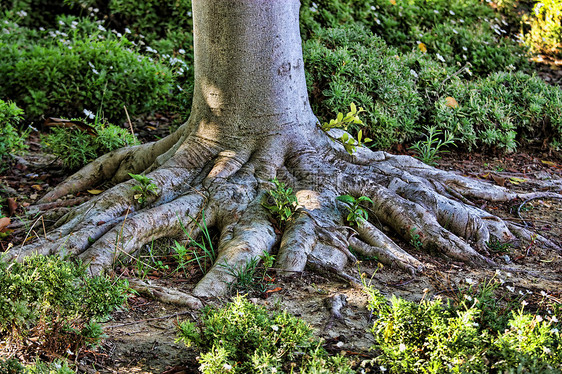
pixel 12 205
pixel 393 2
pixel 95 192
pixel 549 163
pixel 422 47
pixel 151 128
pixel 4 222
pixel 515 180
pixel 268 292
pixel 37 187
pixel 500 181
pixel 451 102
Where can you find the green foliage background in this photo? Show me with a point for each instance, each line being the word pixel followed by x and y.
pixel 106 54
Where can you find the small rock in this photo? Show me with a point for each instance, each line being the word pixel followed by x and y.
pixel 506 259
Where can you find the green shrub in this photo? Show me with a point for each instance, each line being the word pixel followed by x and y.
pixel 501 110
pixel 351 65
pixel 76 148
pixel 468 336
pixel 79 66
pixel 13 366
pixel 543 29
pixel 245 338
pixel 11 140
pixel 54 303
pixel 452 30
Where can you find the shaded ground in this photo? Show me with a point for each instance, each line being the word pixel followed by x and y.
pixel 141 339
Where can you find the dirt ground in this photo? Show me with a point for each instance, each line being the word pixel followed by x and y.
pixel 141 338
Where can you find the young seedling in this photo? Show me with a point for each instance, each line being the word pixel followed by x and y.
pixel 342 122
pixel 428 149
pixel 356 213
pixel 145 188
pixel 281 201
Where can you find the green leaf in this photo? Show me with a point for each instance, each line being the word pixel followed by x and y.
pixel 346 199
pixel 353 108
pixel 365 198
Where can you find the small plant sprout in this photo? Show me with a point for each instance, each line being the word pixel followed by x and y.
pixel 145 188
pixel 281 201
pixel 350 144
pixel 356 213
pixel 428 149
pixel 415 241
pixel 342 122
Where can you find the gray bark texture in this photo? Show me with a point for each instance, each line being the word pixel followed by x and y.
pixel 251 122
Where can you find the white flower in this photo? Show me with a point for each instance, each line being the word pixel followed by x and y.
pixel 440 58
pixel 127 31
pixel 451 13
pixel 41 29
pixel 402 347
pixel 89 114
pixel 373 7
pixel 466 49
pixel 554 330
pixel 546 350
pixel 455 31
pixel 22 13
pixel 510 288
pixel 101 28
pixel 554 319
pixel 435 11
pixel 539 318
pixel 61 23
pixel 149 49
pixel 468 297
pixel 467 280
pixel 181 51
pixel 95 71
pixel 275 327
pixel 412 71
pixel 524 303
pixel 377 21
pixel 461 20
pixel 179 88
pixel 382 368
pixel 96 10
pixel 227 367
pixel 544 294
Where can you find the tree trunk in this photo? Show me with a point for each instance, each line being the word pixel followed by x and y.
pixel 251 122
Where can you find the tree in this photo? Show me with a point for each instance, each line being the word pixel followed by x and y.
pixel 251 122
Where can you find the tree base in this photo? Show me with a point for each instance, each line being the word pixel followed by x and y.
pixel 427 207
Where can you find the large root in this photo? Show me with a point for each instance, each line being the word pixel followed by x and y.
pixel 422 205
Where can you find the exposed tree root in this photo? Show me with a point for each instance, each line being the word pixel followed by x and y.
pixel 165 295
pixel 427 207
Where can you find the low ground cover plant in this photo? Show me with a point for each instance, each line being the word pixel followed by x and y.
pixel 471 334
pixel 51 306
pixel 11 139
pixel 79 65
pixel 452 31
pixel 243 337
pixel 76 147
